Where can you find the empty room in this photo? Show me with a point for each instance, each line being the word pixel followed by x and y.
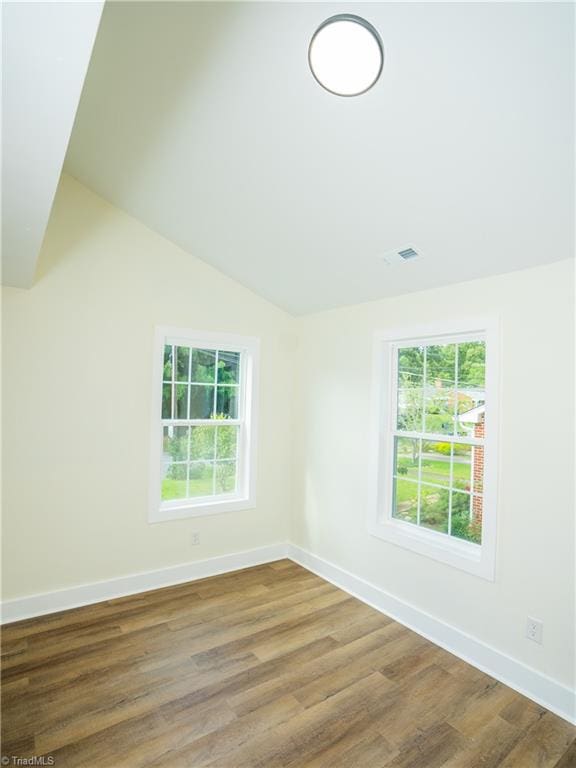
pixel 288 368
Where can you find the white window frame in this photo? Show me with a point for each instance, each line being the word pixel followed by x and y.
pixel 245 495
pixel 478 559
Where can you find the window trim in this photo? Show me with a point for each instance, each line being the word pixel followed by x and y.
pixel 479 560
pixel 245 497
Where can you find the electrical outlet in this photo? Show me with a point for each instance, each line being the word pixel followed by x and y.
pixel 534 628
pixel 194 538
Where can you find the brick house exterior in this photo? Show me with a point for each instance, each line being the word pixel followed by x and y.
pixel 476 417
pixel 478 471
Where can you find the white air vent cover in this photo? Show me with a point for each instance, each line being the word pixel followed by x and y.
pixel 408 253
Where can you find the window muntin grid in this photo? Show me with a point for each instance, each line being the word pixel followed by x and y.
pixel 202 421
pixel 438 448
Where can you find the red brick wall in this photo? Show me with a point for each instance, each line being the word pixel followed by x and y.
pixel 478 472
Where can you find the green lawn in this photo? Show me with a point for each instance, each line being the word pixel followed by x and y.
pixel 434 509
pixel 438 472
pixel 173 488
pixel 435 501
pixel 433 505
pixel 176 489
pixel 407 492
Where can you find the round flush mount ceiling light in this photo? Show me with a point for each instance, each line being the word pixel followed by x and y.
pixel 346 55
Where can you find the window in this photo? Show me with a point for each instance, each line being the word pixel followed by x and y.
pixel 435 401
pixel 203 450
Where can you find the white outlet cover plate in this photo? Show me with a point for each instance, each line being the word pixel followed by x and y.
pixel 534 630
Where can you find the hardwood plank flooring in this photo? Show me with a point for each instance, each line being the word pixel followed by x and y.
pixel 262 668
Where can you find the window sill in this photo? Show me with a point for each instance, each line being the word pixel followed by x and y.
pixel 466 556
pixel 179 511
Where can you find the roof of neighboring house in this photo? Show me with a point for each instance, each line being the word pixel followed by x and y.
pixel 474 415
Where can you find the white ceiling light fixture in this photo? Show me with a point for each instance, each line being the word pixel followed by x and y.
pixel 346 55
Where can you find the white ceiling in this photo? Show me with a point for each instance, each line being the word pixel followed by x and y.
pixel 204 122
pixel 46 51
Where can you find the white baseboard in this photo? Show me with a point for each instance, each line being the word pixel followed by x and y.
pixel 536 686
pixel 543 690
pixel 86 594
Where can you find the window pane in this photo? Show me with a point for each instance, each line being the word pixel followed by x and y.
pixel 472 366
pixel 410 392
pixel 227 402
pixel 471 422
pixel 201 401
pixel 407 453
pixel 166 401
pixel 467 517
pixel 204 366
pixel 175 445
pixel 478 469
pixel 405 504
pixel 200 481
pixel 467 417
pixel 225 476
pixel 465 402
pixel 471 388
pixel 436 463
pixel 226 442
pixel 476 522
pixel 168 355
pixel 202 443
pixel 441 365
pixel 434 506
pixel 439 405
pixel 182 363
pixel 439 397
pixel 181 405
pixel 462 466
pixel 174 481
pixel 228 367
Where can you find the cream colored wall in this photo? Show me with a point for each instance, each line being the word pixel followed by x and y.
pixel 535 558
pixel 77 397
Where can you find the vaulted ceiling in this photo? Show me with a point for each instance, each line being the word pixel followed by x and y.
pixel 203 121
pixel 46 51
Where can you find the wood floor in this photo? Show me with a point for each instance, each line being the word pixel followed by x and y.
pixel 270 666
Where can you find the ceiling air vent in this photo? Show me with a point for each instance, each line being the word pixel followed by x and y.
pixel 403 254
